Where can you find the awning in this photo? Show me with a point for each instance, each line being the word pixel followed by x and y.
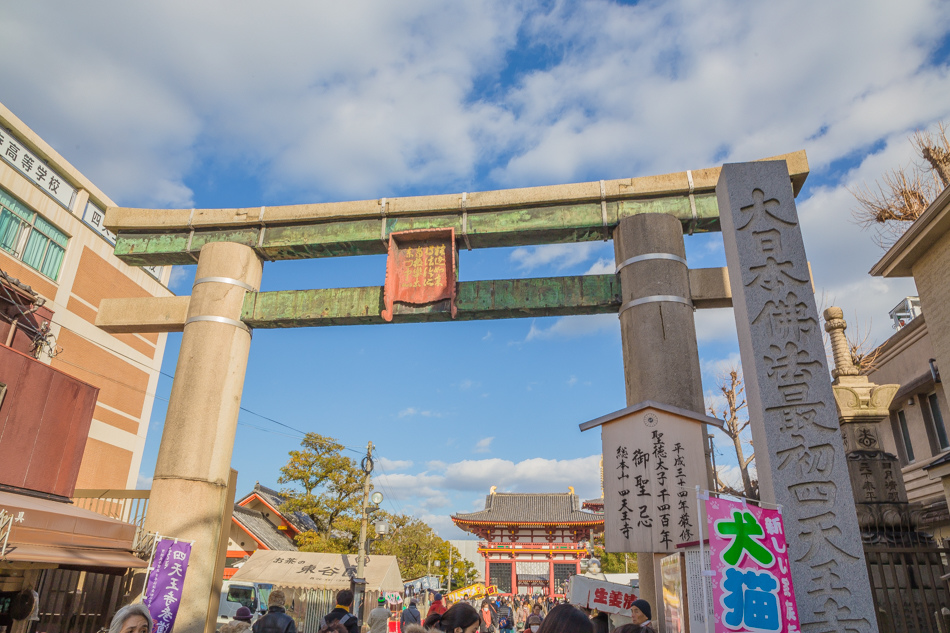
pixel 52 532
pixel 315 570
pixel 73 557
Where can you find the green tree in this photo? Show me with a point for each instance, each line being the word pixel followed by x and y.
pixel 327 486
pixel 612 563
pixel 417 548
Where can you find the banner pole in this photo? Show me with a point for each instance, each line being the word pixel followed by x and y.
pixel 702 555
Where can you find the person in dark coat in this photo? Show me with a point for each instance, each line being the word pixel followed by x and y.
pixel 341 613
pixel 410 615
pixel 276 619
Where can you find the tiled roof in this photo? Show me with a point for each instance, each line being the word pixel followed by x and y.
pixel 543 508
pixel 274 499
pixel 597 505
pixel 265 531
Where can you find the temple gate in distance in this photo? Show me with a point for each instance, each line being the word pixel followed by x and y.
pixel 654 292
pixel 532 542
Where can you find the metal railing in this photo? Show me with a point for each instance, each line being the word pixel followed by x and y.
pixel 129 506
pixel 910 593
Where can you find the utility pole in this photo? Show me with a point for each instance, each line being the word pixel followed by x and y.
pixel 359 583
pixel 450 569
pixel 367 471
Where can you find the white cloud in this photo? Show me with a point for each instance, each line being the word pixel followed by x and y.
pixel 487 336
pixel 466 384
pixel 603 266
pixel 716 325
pixel 394 464
pixel 570 382
pixel 483 445
pixel 413 411
pixel 719 367
pixel 143 482
pixel 559 256
pixel 348 100
pixel 440 479
pixel 573 326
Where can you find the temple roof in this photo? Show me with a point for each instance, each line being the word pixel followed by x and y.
pixel 262 529
pixel 597 505
pixel 562 508
pixel 274 499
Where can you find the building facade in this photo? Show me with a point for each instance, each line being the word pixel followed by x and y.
pixel 531 543
pixel 53 242
pixel 917 432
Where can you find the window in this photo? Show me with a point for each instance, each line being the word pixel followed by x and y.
pixel 243 595
pixel 939 429
pixel 499 574
pixel 30 238
pixel 905 435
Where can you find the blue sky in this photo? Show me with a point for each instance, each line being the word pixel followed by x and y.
pixel 219 104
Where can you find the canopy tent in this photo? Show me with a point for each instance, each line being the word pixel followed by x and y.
pixel 316 570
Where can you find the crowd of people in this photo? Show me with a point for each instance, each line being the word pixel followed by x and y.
pixel 491 615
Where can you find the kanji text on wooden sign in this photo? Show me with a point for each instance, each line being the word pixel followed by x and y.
pixel 420 269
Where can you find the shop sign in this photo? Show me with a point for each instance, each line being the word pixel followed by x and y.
pixel 420 270
pixel 42 175
pixel 752 579
pixel 606 597
pixel 166 579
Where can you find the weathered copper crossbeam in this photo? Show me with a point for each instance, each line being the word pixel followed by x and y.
pixel 495 299
pixel 511 217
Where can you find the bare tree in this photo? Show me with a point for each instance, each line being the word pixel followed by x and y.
pixel 734 425
pixel 903 194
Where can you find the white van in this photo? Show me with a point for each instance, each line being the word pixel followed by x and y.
pixel 235 595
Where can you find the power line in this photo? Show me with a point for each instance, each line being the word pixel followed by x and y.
pixel 389 495
pixel 150 368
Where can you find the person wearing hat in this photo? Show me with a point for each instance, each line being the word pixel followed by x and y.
pixel 276 619
pixel 240 622
pixel 410 615
pixel 378 619
pixel 437 606
pixel 641 615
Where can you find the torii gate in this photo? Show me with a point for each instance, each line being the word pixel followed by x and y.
pixel 654 293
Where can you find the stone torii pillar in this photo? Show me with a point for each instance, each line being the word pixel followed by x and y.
pixel 190 489
pixel 660 352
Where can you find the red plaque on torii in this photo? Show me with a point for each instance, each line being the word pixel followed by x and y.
pixel 420 269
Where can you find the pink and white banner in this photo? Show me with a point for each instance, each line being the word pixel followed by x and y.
pixel 752 579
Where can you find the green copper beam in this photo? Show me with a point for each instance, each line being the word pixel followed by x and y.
pixel 497 299
pixel 581 222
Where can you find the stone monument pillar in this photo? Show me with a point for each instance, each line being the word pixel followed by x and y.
pixel 799 453
pixel 660 353
pixel 876 478
pixel 190 488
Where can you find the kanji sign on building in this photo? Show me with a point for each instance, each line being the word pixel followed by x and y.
pixel 30 165
pixel 165 581
pixel 420 269
pixel 752 581
pixel 653 461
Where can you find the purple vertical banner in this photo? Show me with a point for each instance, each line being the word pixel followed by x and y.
pixel 165 581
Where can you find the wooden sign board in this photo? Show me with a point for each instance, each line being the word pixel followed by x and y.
pixel 653 461
pixel 421 269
